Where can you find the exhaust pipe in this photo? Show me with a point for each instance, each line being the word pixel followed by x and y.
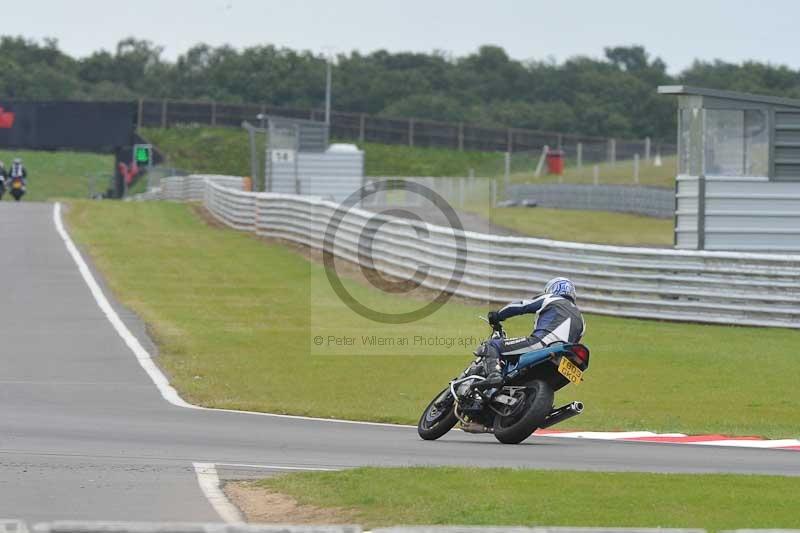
pixel 474 427
pixel 564 412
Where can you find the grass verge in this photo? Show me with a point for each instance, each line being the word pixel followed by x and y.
pixel 60 174
pixel 236 321
pixel 389 496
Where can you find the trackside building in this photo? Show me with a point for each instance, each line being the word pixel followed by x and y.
pixel 738 183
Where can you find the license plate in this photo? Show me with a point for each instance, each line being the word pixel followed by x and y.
pixel 567 369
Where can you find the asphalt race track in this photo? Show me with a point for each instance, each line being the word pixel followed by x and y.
pixel 85 434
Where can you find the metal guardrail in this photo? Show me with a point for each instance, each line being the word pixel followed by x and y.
pixel 192 188
pixel 684 285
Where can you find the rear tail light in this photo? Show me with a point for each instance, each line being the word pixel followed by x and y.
pixel 581 351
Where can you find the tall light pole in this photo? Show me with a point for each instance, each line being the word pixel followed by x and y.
pixel 328 89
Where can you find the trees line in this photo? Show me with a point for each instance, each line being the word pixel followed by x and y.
pixel 613 96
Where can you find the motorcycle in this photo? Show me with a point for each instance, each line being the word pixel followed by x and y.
pixel 518 407
pixel 17 189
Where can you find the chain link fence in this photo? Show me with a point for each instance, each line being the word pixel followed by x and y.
pixel 534 167
pixel 408 131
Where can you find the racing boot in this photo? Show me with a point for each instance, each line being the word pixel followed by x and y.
pixel 492 370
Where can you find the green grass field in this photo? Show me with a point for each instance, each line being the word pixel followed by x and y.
pixel 235 320
pixel 451 496
pixel 60 174
pixel 600 227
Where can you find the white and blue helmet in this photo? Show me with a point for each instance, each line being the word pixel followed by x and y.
pixel 561 287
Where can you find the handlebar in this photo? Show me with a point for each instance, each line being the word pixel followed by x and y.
pixel 496 328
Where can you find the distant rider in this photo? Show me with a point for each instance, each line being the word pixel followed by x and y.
pixel 559 320
pixel 18 171
pixel 2 179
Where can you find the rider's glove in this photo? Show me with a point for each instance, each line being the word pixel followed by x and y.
pixel 493 318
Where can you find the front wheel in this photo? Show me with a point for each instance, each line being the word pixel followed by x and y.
pixel 439 417
pixel 519 425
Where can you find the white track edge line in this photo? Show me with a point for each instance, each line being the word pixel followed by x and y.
pixel 208 479
pixel 144 359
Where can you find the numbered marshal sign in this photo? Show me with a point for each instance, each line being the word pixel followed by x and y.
pixel 282 156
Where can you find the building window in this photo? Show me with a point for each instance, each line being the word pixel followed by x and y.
pixel 736 143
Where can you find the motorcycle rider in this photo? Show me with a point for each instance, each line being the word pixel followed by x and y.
pixel 559 320
pixel 18 171
pixel 2 179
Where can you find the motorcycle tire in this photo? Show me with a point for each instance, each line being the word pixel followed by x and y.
pixel 517 427
pixel 437 420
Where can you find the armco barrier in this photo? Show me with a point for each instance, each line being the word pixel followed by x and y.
pixel 711 287
pixel 189 188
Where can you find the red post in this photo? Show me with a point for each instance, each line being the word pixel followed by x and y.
pixel 555 162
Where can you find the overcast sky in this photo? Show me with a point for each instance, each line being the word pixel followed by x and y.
pixel 677 30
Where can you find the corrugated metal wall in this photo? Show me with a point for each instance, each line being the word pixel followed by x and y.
pixel 786 154
pixel 686 204
pixel 739 214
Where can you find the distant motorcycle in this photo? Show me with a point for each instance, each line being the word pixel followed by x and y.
pixel 522 404
pixel 2 187
pixel 17 189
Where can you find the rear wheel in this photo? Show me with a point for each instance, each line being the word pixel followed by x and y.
pixel 537 402
pixel 439 417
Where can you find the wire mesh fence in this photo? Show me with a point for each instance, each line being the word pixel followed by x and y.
pixel 408 131
pixel 539 166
